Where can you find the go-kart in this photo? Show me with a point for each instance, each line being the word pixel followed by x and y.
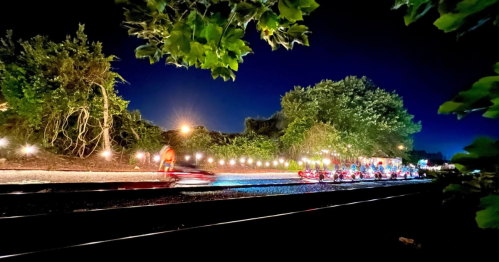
pixel 189 175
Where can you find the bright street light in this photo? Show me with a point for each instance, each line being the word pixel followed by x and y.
pixel 157 158
pixel 187 158
pixel 106 153
pixel 210 160
pixel 185 129
pixel 140 155
pixel 250 161
pixel 3 142
pixel 198 156
pixel 232 162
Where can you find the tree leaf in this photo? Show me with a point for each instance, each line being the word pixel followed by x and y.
pixel 289 10
pixel 416 9
pixel 496 68
pixel 268 21
pixel 489 216
pixel 148 51
pixel 308 6
pixel 157 5
pixel 231 61
pixel 245 12
pixel 212 34
pixel 223 72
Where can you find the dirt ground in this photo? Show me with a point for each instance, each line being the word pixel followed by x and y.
pixel 118 163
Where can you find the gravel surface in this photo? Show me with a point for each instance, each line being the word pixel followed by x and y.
pixel 63 206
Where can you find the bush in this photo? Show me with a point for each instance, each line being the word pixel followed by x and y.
pixel 293 166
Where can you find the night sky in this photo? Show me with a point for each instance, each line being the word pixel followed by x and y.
pixel 424 65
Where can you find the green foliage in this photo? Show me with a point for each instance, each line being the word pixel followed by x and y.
pixel 56 98
pixel 489 216
pixel 295 134
pixel 188 33
pixel 482 155
pixel 294 166
pixel 136 134
pixel 198 141
pixel 483 95
pixel 374 122
pixel 272 127
pixel 247 145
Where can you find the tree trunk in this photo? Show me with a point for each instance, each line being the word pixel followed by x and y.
pixel 106 141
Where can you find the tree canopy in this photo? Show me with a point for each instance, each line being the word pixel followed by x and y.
pixel 208 34
pixel 371 120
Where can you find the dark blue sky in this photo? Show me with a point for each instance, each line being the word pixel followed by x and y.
pixel 424 65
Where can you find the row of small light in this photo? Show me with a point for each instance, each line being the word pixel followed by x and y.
pixel 242 160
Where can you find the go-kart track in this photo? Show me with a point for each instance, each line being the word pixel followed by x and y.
pixel 59 221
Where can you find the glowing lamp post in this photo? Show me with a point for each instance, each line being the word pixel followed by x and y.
pixel 242 160
pixel 401 147
pixel 140 155
pixel 187 158
pixel 281 160
pixel 232 162
pixel 221 162
pixel 250 161
pixel 157 158
pixel 4 142
pixel 27 150
pixel 286 164
pixel 210 160
pixel 300 163
pixel 198 157
pixel 258 163
pixel 267 164
pixel 275 163
pixel 106 154
pixel 185 129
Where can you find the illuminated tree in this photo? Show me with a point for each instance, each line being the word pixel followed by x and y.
pixel 63 91
pixel 369 119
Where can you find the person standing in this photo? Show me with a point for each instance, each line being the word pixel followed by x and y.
pixel 167 156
